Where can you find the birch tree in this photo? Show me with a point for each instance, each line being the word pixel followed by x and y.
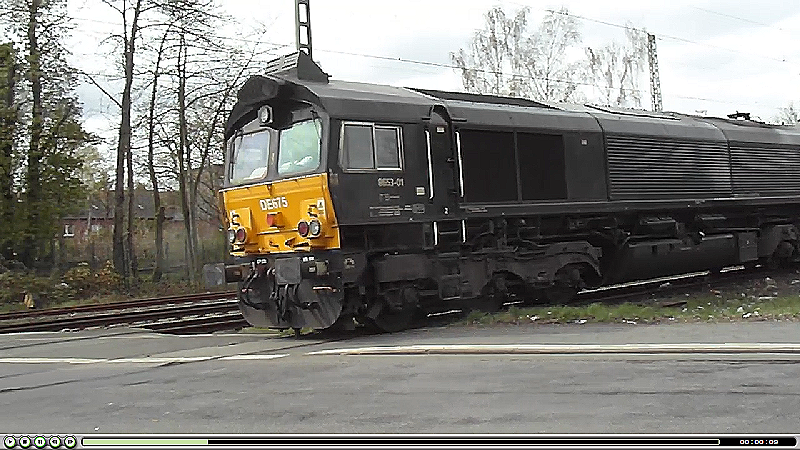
pixel 506 58
pixel 616 69
pixel 788 115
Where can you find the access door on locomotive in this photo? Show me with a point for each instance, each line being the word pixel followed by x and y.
pixel 396 172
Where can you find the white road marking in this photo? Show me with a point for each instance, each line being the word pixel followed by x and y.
pixel 535 349
pixel 159 360
pixel 50 360
pixel 252 357
pixel 144 360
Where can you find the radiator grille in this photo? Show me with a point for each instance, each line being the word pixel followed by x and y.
pixel 759 170
pixel 648 168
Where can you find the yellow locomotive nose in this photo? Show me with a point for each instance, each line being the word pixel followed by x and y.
pixel 282 216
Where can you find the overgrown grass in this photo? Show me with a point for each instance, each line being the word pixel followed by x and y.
pixel 82 286
pixel 698 309
pixel 261 330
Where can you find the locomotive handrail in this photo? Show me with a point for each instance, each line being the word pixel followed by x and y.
pixel 460 166
pixel 430 164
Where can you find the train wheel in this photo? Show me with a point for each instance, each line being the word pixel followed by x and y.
pixel 399 311
pixel 344 324
pixel 493 296
pixel 568 283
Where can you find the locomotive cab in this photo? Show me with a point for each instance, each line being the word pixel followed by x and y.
pixel 282 228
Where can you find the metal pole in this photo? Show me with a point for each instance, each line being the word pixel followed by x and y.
pixel 655 81
pixel 302 28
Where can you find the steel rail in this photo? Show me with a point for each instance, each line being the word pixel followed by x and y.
pixel 185 298
pixel 666 285
pixel 132 314
pixel 207 324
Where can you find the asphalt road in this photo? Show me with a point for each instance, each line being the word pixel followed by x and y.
pixel 127 381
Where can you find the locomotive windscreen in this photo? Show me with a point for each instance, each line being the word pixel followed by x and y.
pixel 281 150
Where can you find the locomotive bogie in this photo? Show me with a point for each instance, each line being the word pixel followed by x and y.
pixel 303 291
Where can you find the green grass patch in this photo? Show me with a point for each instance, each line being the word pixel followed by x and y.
pixel 699 309
pixel 259 330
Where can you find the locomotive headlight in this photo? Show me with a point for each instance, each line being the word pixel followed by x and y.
pixel 241 235
pixel 315 227
pixel 265 115
pixel 231 235
pixel 302 228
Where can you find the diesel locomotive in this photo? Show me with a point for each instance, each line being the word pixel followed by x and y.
pixel 362 202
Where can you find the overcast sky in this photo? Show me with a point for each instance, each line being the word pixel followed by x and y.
pixel 716 56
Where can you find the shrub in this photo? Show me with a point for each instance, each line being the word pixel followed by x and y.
pixel 86 283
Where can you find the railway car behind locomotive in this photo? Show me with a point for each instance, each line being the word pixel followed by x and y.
pixel 375 203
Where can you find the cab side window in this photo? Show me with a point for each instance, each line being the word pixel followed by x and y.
pixel 367 146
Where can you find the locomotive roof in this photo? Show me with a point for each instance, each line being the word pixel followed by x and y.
pixel 750 131
pixel 376 102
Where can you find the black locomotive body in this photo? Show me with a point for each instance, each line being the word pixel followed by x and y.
pixel 442 199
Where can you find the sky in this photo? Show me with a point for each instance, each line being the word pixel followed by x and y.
pixel 715 57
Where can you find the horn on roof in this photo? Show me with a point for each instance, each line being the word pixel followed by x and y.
pixel 297 65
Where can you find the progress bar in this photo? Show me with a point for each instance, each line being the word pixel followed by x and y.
pixel 406 441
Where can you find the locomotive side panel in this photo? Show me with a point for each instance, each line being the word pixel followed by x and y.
pixel 585 162
pixel 528 155
pixel 375 172
pixel 489 166
pixel 765 170
pixel 643 167
pixel 765 160
pixel 664 157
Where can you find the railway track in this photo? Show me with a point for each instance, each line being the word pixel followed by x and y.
pixel 647 292
pixel 210 312
pixel 175 314
pixel 666 286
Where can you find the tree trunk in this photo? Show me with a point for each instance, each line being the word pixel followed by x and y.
pixel 129 232
pixel 183 152
pixel 31 246
pixel 120 260
pixel 9 124
pixel 158 268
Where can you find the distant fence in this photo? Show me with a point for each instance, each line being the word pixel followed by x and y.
pixel 96 249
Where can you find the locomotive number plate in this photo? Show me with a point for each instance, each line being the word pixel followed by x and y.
pixel 391 182
pixel 269 204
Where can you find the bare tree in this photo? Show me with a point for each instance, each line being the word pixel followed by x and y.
pixel 158 267
pixel 488 63
pixel 190 76
pixel 788 115
pixel 203 76
pixel 615 69
pixel 541 68
pixel 123 251
pixel 505 58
